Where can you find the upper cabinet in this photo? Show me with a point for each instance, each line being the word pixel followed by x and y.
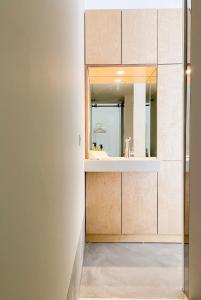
pixel 134 36
pixel 103 36
pixel 170 36
pixel 139 36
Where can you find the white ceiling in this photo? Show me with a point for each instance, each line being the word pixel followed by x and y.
pixel 126 4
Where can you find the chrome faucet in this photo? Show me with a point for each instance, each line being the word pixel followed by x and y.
pixel 127 147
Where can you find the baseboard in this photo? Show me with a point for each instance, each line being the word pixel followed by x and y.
pixel 74 287
pixel 134 238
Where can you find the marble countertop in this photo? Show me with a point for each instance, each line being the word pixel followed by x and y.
pixel 122 164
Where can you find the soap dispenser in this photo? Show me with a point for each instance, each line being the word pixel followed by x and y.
pixel 101 147
pixel 94 147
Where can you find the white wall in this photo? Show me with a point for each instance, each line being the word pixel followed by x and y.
pixel 139 121
pixel 41 163
pixel 124 4
pixel 128 117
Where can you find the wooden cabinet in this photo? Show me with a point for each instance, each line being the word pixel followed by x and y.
pixel 135 206
pixel 170 36
pixel 139 36
pixel 139 203
pixel 170 198
pixel 170 112
pixel 103 203
pixel 121 37
pixel 103 36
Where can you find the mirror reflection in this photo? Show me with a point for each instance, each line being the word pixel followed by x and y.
pixel 123 110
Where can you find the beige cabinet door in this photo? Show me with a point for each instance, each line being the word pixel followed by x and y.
pixel 170 36
pixel 139 36
pixel 103 203
pixel 170 198
pixel 103 36
pixel 170 112
pixel 139 203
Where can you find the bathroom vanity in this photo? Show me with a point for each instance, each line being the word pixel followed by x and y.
pixel 134 84
pixel 123 201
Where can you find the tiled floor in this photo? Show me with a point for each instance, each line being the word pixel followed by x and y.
pixel 135 271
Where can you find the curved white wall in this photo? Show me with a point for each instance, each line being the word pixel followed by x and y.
pixel 41 163
pixel 126 4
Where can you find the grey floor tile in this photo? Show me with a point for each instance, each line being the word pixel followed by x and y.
pixel 132 270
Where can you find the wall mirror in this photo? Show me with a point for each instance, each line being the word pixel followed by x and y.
pixel 123 104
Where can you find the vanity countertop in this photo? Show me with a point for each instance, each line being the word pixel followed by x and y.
pixel 121 164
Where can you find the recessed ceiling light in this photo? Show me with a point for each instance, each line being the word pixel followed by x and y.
pixel 120 72
pixel 118 80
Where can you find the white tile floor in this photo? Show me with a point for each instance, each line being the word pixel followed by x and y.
pixel 134 271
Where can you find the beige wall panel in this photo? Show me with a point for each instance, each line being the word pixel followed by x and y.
pixel 103 36
pixel 170 112
pixel 103 203
pixel 170 198
pixel 139 36
pixel 170 36
pixel 139 203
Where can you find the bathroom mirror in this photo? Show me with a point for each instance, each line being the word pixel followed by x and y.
pixel 123 104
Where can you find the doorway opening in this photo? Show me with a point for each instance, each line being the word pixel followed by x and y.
pixel 133 218
pixel 134 215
